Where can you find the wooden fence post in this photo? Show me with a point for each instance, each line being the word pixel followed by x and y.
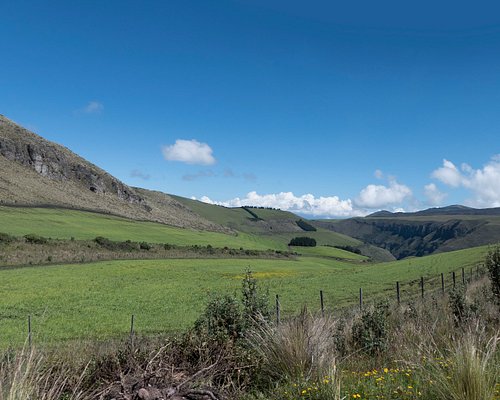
pixel 454 279
pixel 322 303
pixel 397 293
pixel 277 309
pixel 442 282
pixel 422 285
pixel 132 329
pixel 360 299
pixel 463 276
pixel 29 331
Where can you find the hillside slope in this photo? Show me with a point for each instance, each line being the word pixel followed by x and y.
pixel 37 172
pixel 425 232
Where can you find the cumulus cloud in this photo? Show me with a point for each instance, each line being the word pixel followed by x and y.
pixel 137 173
pixel 434 196
pixel 306 204
pixel 448 174
pixel 484 183
pixel 189 151
pixel 379 196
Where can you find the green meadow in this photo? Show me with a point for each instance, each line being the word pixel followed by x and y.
pixel 97 300
pixel 64 224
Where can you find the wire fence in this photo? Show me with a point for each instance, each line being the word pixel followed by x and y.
pixel 409 291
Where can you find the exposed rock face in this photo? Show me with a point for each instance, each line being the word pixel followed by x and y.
pixel 58 163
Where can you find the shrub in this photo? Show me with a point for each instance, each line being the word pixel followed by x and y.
pixel 6 238
pixel 36 239
pixel 116 246
pixel 458 305
pixel 255 301
pixel 370 330
pixel 145 246
pixel 222 319
pixel 492 263
pixel 303 241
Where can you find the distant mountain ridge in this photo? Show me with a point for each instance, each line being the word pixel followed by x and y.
pixel 455 209
pixel 423 232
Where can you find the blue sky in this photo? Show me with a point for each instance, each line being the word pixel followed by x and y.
pixel 321 107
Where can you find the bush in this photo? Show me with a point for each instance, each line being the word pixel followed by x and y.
pixel 116 246
pixel 145 246
pixel 458 305
pixel 369 332
pixel 303 241
pixel 222 319
pixel 6 238
pixel 36 239
pixel 255 302
pixel 492 263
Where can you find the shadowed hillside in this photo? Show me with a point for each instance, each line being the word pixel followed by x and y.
pixel 424 232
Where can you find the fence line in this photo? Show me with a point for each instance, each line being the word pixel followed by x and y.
pixel 478 273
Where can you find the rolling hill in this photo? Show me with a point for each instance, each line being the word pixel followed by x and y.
pixel 39 174
pixel 425 232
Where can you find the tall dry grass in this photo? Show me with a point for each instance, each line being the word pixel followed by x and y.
pixel 468 369
pixel 300 348
pixel 26 374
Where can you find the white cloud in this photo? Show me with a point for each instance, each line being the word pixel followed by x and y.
pixel 378 196
pixel 484 183
pixel 198 175
pixel 434 196
pixel 189 151
pixel 137 173
pixel 306 204
pixel 448 174
pixel 93 107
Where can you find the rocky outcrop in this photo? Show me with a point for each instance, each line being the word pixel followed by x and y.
pixel 58 163
pixel 37 172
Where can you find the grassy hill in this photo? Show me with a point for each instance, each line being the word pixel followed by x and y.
pixel 65 224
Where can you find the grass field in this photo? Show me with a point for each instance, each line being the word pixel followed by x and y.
pixel 327 251
pixel 64 224
pixel 97 300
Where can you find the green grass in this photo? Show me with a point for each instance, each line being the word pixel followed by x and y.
pixel 327 251
pixel 64 224
pixel 323 237
pixel 97 299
